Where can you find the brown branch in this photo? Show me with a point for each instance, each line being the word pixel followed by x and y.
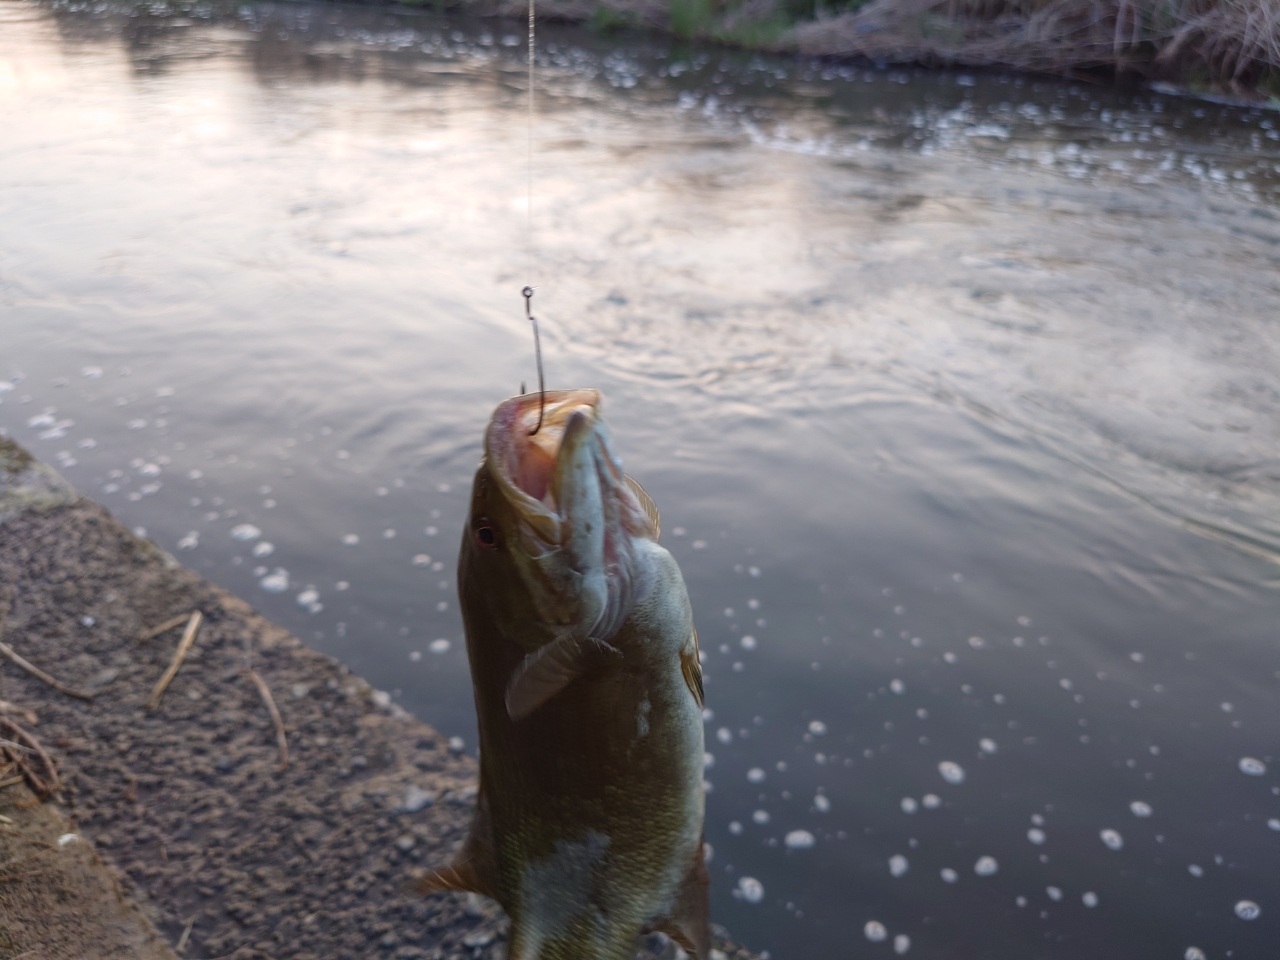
pixel 35 671
pixel 165 627
pixel 23 712
pixel 186 935
pixel 38 784
pixel 281 739
pixel 184 645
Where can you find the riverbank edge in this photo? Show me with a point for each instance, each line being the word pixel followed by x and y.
pixel 914 33
pixel 222 847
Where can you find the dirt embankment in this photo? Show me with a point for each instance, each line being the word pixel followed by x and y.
pixel 188 824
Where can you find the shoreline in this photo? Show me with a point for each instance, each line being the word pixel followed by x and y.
pixel 186 811
pixel 1215 49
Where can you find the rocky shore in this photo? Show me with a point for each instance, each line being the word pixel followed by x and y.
pixel 180 825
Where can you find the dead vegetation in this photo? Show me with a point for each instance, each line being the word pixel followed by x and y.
pixel 1232 44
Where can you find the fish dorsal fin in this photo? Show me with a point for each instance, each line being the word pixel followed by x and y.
pixel 646 504
pixel 691 667
pixel 551 668
pixel 475 869
pixel 689 922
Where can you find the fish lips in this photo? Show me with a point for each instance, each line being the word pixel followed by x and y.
pixel 572 511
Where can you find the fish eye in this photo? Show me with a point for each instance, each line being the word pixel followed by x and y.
pixel 486 536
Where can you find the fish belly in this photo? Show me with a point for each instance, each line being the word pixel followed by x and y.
pixel 597 809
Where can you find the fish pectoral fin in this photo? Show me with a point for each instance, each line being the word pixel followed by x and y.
pixel 460 876
pixel 689 923
pixel 475 870
pixel 691 667
pixel 646 504
pixel 551 668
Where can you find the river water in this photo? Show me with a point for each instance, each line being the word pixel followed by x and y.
pixel 960 396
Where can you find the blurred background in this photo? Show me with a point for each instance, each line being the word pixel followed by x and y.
pixel 959 394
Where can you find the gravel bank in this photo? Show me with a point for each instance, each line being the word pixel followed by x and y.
pixel 189 803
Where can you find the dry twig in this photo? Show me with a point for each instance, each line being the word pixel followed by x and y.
pixel 165 627
pixel 23 712
pixel 41 785
pixel 281 739
pixel 36 672
pixel 186 934
pixel 184 645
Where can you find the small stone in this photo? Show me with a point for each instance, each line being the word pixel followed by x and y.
pixel 478 938
pixel 415 798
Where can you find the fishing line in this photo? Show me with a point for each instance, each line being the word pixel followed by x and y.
pixel 527 292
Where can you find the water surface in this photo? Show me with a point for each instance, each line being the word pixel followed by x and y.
pixel 959 396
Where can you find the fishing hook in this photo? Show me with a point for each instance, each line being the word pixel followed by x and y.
pixel 527 293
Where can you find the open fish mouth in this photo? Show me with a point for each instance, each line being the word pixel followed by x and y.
pixel 554 462
pixel 574 513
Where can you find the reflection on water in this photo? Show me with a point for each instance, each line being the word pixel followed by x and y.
pixel 959 395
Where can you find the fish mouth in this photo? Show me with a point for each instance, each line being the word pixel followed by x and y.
pixel 526 444
pixel 574 517
pixel 553 460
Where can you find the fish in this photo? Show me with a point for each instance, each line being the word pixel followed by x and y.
pixel 588 825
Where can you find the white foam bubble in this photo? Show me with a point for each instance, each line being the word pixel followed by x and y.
pixel 755 775
pixel 748 642
pixel 263 549
pixel 987 745
pixel 901 944
pixel 1195 870
pixel 422 560
pixel 1140 809
pixel 724 735
pixel 1248 910
pixel 1054 893
pixel 1194 953
pixel 750 889
pixel 951 772
pixel 931 801
pixel 798 840
pixel 1252 766
pixel 875 931
pixel 440 645
pixel 190 541
pixel 245 532
pixel 986 866
pixel 1274 824
pixel 817 728
pixel 898 865
pixel 350 539
pixel 821 803
pixel 761 817
pixel 909 805
pixel 948 875
pixel 897 686
pixel 735 828
pixel 1036 836
pixel 1112 839
pixel 275 582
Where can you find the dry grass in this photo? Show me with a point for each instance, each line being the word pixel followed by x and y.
pixel 1231 43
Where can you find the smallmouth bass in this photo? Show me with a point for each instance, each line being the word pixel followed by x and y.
pixel 588 691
